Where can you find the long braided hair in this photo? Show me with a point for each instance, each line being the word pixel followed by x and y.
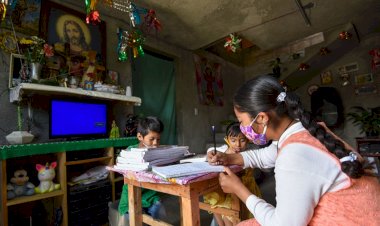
pixel 260 95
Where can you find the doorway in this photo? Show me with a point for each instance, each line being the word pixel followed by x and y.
pixel 153 81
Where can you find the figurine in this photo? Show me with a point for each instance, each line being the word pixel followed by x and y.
pixel 131 126
pixel 19 185
pixel 46 174
pixel 114 133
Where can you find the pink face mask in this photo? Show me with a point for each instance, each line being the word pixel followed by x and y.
pixel 256 138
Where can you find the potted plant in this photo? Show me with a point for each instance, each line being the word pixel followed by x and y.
pixel 367 119
pixel 35 50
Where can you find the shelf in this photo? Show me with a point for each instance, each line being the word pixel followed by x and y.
pixel 25 89
pixel 13 151
pixel 118 179
pixel 70 163
pixel 32 198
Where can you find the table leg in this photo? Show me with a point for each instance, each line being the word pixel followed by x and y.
pixel 135 209
pixel 190 211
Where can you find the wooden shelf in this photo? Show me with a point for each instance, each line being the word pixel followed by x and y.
pixel 36 197
pixel 118 179
pixel 26 89
pixel 68 163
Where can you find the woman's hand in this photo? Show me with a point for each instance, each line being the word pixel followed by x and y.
pixel 229 182
pixel 217 159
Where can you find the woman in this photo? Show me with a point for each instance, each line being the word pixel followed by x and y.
pixel 318 182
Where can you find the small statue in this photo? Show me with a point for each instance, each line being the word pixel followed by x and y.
pixel 131 126
pixel 46 174
pixel 19 185
pixel 114 133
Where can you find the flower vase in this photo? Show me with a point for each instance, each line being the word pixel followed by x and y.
pixel 19 137
pixel 35 71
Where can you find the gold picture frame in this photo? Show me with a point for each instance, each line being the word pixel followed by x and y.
pixel 18 69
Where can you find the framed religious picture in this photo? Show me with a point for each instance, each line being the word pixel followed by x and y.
pixel 18 70
pixel 209 81
pixel 326 77
pixel 68 31
pixel 25 16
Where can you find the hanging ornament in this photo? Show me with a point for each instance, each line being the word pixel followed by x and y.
pixel 232 43
pixel 151 21
pixel 135 41
pixel 375 61
pixel 284 85
pixel 136 11
pixel 130 9
pixel 122 46
pixel 344 35
pixel 324 51
pixel 3 11
pixel 93 15
pixel 303 67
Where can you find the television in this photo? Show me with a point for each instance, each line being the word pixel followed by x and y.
pixel 77 119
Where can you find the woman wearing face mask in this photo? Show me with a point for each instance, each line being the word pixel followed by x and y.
pixel 318 182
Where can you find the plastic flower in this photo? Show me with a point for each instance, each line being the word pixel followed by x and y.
pixel 36 49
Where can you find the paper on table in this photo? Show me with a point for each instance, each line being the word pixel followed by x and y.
pixel 197 158
pixel 185 169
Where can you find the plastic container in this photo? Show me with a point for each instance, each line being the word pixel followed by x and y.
pixel 114 218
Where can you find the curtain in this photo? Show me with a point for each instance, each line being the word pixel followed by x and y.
pixel 154 82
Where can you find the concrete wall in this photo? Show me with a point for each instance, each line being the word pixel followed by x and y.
pixel 358 54
pixel 193 130
pixel 350 99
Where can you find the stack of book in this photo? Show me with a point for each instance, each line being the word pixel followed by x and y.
pixel 138 159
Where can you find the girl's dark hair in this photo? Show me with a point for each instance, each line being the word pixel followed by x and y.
pixel 150 123
pixel 260 95
pixel 233 129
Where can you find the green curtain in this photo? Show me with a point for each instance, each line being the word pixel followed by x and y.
pixel 154 82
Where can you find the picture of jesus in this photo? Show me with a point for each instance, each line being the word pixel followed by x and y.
pixel 66 27
pixel 72 30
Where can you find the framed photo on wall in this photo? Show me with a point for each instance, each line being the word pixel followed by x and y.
pixel 326 77
pixel 362 79
pixel 18 69
pixel 60 25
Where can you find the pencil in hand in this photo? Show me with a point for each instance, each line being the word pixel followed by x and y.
pixel 214 139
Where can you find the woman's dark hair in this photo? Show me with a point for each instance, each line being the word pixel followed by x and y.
pixel 233 129
pixel 260 95
pixel 150 123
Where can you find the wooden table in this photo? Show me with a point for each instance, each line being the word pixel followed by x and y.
pixel 189 200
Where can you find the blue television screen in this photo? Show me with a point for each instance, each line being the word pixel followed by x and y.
pixel 77 119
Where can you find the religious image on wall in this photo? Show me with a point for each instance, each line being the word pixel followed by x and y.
pixel 209 81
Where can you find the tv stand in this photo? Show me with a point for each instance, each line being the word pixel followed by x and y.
pixel 20 155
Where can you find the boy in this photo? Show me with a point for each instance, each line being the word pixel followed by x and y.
pixel 149 131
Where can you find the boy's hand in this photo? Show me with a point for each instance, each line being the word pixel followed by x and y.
pixel 217 159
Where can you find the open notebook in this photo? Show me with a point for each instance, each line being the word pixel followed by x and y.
pixel 185 169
